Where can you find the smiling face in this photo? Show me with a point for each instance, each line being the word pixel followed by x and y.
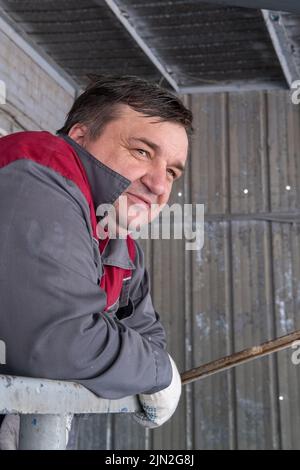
pixel 149 152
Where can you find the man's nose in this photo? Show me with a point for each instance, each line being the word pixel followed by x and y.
pixel 156 180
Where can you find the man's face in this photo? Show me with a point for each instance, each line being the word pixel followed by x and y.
pixel 148 152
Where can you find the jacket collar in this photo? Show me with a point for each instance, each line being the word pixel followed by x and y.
pixel 116 253
pixel 106 184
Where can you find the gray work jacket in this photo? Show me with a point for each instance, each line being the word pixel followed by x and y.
pixel 52 316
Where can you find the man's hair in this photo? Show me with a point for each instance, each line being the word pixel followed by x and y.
pixel 99 103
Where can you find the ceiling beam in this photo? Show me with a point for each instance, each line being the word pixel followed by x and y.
pixel 234 86
pixel 292 6
pixel 281 44
pixel 124 20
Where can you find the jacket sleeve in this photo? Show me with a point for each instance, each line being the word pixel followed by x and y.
pixel 52 308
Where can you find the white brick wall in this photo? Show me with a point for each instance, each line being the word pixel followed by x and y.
pixel 36 98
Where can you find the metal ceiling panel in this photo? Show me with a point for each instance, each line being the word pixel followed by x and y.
pixel 204 46
pixel 188 45
pixel 81 37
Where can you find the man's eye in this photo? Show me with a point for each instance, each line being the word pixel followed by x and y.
pixel 172 173
pixel 142 152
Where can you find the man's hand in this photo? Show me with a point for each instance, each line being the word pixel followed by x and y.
pixel 160 406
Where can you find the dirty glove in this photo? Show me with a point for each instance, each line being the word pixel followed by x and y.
pixel 158 407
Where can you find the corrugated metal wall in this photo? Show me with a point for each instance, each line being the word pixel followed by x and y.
pixel 241 289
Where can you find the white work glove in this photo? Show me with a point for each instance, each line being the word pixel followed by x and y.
pixel 158 407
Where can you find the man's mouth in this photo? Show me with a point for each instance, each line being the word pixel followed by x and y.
pixel 139 200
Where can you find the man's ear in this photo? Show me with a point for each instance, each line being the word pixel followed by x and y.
pixel 78 132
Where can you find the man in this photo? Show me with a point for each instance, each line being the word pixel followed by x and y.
pixel 74 307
